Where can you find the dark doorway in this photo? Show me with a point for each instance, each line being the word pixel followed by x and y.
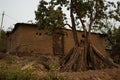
pixel 58 44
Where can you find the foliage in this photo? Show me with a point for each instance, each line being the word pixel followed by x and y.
pixel 16 73
pixel 9 58
pixel 93 13
pixel 49 16
pixel 53 73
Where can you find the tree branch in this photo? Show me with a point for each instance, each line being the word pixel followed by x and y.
pixel 68 25
pixel 80 18
pixel 92 19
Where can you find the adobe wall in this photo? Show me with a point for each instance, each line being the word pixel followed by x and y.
pixel 68 41
pixel 32 40
pixel 12 42
pixel 97 40
pixel 28 39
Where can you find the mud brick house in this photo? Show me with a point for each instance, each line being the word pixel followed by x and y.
pixel 27 38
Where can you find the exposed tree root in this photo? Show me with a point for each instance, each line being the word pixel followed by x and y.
pixel 78 60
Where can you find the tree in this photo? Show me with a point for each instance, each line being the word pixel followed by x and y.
pixel 90 14
pixel 49 17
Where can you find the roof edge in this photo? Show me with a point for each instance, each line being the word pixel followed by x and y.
pixel 34 25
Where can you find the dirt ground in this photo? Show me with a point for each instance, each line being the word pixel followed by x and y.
pixel 37 63
pixel 106 74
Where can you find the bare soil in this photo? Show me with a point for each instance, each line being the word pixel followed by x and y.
pixel 105 74
pixel 37 63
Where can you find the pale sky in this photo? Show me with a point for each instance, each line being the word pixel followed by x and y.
pixel 19 11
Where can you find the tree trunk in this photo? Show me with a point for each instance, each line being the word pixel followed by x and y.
pixel 79 60
pixel 73 26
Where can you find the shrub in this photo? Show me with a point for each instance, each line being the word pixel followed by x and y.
pixel 9 58
pixel 16 73
pixel 54 72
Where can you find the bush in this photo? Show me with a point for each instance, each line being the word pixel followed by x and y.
pixel 9 58
pixel 16 73
pixel 54 72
